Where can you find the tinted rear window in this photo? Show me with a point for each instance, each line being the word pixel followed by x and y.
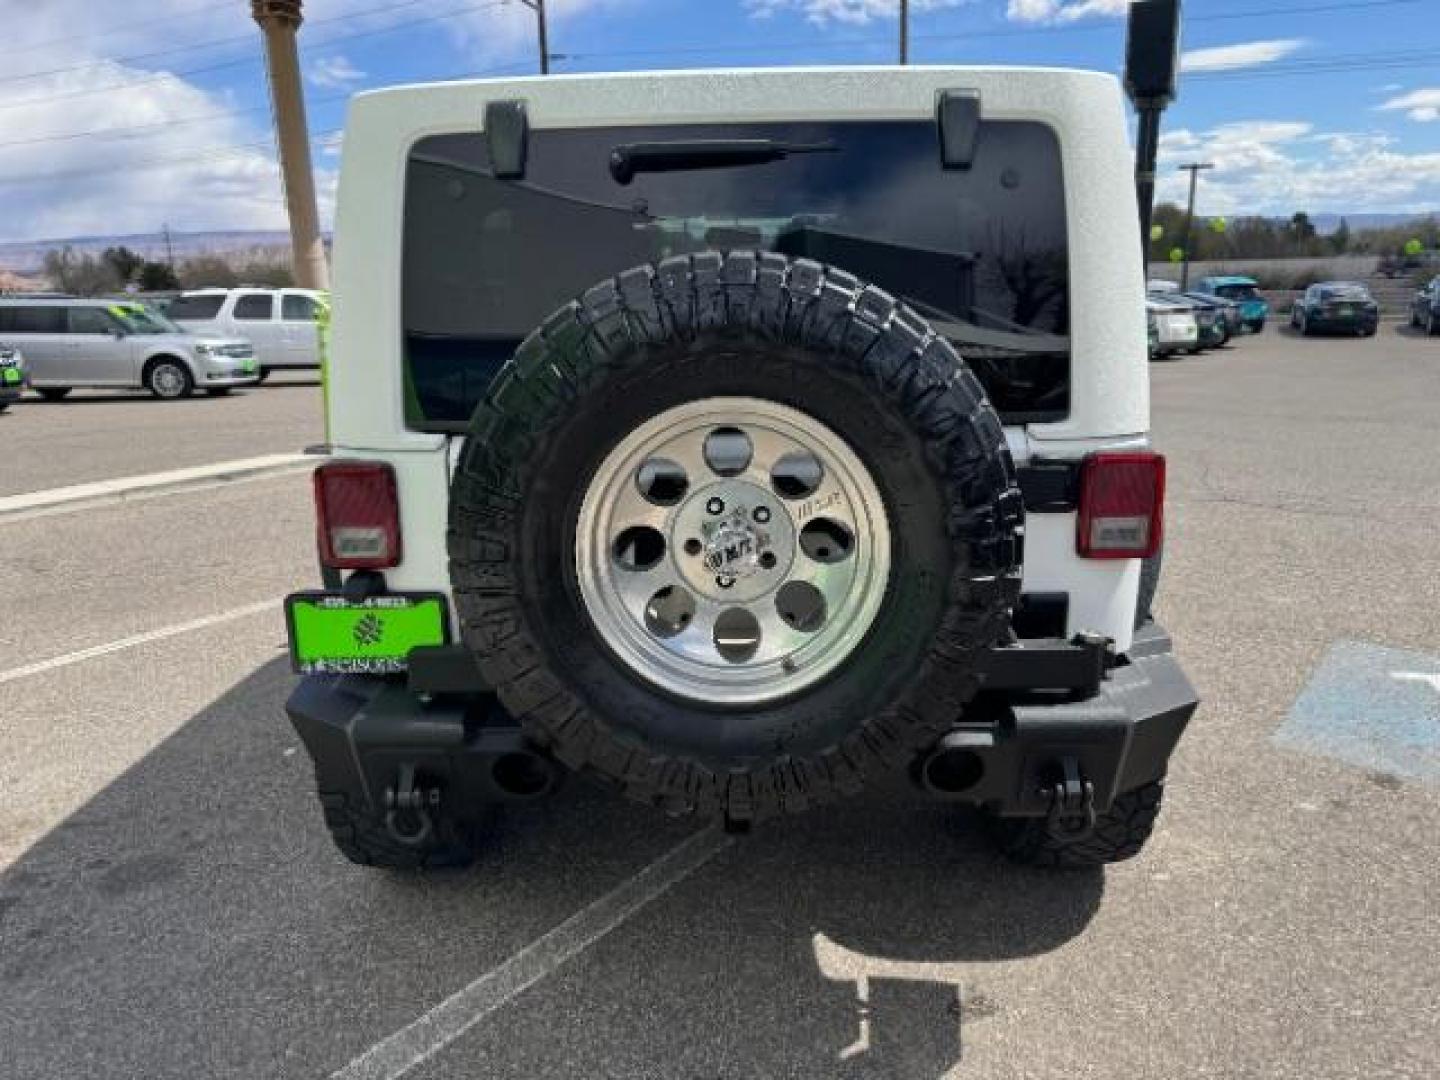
pixel 982 253
pixel 255 306
pixel 297 308
pixel 90 320
pixel 32 319
pixel 195 308
pixel 1237 292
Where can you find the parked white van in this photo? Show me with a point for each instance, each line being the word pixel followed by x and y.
pixel 279 323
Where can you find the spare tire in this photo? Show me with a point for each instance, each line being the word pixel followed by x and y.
pixel 732 533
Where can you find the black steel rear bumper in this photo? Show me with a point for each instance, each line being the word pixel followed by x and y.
pixel 1049 709
pixel 1011 748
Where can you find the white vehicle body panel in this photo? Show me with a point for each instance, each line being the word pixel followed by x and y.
pixel 1176 324
pixel 1109 372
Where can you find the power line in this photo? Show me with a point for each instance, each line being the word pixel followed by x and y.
pixel 1343 62
pixel 829 43
pixel 185 13
pixel 216 153
pixel 242 61
pixel 234 39
pixel 1326 65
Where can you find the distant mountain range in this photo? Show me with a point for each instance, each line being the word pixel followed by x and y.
pixel 1328 223
pixel 28 256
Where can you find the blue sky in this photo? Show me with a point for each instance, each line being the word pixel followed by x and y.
pixel 115 122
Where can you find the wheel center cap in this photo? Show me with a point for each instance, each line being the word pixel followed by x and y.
pixel 734 547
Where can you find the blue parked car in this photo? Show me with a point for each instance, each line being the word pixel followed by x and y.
pixel 1254 310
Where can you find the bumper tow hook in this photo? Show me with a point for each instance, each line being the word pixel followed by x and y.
pixel 1072 803
pixel 409 817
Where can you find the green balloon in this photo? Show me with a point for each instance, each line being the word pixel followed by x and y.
pixel 1413 247
pixel 1177 254
pixel 1157 232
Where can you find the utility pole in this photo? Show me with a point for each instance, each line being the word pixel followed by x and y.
pixel 1194 169
pixel 279 20
pixel 904 31
pixel 169 248
pixel 538 6
pixel 1152 65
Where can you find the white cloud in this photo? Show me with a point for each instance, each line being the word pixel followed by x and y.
pixel 1280 166
pixel 1421 105
pixel 191 176
pixel 131 165
pixel 63 79
pixel 333 73
pixel 1243 55
pixel 508 32
pixel 1063 11
pixel 855 12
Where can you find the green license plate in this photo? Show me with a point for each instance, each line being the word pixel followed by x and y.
pixel 332 635
pixel 247 367
pixel 10 376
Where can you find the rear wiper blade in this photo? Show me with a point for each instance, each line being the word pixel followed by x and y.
pixel 629 159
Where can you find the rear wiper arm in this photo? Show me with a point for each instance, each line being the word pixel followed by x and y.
pixel 631 158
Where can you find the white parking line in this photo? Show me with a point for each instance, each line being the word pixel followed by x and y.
pixel 125 488
pixel 457 1014
pixel 139 639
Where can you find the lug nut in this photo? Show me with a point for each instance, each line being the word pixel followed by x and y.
pixel 715 506
pixel 762 514
pixel 724 581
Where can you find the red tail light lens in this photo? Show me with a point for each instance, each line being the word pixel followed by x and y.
pixel 1122 504
pixel 358 512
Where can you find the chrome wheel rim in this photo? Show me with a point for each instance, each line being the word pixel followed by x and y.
pixel 732 551
pixel 168 381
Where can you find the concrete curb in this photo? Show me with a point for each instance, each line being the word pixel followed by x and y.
pixel 150 485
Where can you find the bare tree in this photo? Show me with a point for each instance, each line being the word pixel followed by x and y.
pixel 1035 279
pixel 80 274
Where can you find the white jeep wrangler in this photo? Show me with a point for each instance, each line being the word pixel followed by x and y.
pixel 738 438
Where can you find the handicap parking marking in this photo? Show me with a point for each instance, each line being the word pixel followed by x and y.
pixel 1371 706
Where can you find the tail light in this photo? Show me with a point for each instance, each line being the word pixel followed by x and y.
pixel 358 512
pixel 1122 503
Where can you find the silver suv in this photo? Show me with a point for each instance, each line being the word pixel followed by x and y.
pixel 280 323
pixel 124 345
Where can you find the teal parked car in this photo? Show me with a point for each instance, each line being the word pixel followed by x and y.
pixel 1254 309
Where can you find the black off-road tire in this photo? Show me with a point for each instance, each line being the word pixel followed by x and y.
pixel 361 836
pixel 755 325
pixel 1119 834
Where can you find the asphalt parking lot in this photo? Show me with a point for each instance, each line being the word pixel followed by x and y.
pixel 170 905
pixel 98 434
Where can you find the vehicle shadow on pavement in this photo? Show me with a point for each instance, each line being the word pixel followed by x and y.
pixel 846 944
pixel 193 919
